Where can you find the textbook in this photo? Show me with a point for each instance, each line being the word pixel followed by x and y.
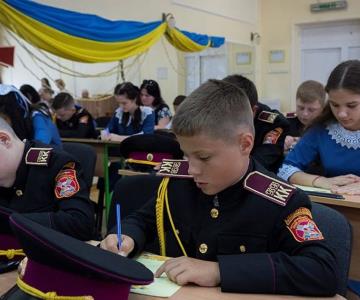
pixel 319 192
pixel 161 287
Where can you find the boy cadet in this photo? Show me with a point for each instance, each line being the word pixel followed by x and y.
pixel 44 183
pixel 271 127
pixel 237 225
pixel 71 120
pixel 310 100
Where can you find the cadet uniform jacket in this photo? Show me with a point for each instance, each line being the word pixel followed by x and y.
pixel 80 125
pixel 296 127
pixel 50 189
pixel 271 128
pixel 260 231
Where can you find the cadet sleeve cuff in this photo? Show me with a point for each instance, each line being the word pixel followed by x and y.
pixel 247 273
pixel 137 235
pixel 286 171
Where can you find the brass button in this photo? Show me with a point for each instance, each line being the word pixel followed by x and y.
pixel 242 248
pixel 149 156
pixel 214 213
pixel 203 248
pixel 19 193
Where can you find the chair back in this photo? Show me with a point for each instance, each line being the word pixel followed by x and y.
pixel 338 234
pixel 86 156
pixel 132 192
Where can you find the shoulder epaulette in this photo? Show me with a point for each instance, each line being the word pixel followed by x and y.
pixel 270 188
pixel 38 156
pixel 267 116
pixel 174 168
pixel 291 115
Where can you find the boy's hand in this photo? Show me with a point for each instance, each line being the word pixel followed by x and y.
pixel 110 243
pixel 184 270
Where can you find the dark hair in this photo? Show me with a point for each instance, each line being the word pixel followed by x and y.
pixel 178 100
pixel 46 82
pixel 246 85
pixel 153 89
pixel 131 92
pixel 128 89
pixel 62 100
pixel 30 93
pixel 345 76
pixel 20 120
pixel 310 91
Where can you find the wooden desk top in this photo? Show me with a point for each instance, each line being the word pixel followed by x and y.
pixel 349 201
pixel 89 141
pixel 185 293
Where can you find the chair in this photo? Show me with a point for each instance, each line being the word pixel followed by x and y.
pixel 86 156
pixel 132 192
pixel 338 233
pixel 102 121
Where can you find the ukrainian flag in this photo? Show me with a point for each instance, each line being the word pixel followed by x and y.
pixel 90 38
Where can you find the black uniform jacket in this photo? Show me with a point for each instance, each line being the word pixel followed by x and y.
pixel 296 127
pixel 271 128
pixel 49 187
pixel 80 125
pixel 260 245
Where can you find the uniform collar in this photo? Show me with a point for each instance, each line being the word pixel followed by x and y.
pixel 21 173
pixel 236 188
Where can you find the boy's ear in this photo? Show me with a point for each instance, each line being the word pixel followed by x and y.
pixel 246 142
pixel 5 139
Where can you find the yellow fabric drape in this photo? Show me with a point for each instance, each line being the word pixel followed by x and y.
pixel 74 48
pixel 181 42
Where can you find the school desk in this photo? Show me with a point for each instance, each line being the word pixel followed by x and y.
pixel 185 293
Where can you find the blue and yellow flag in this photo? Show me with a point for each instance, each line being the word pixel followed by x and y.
pixel 90 38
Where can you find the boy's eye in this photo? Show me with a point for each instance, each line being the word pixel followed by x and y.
pixel 352 105
pixel 204 158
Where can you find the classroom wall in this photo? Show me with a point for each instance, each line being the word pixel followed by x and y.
pixel 278 23
pixel 234 19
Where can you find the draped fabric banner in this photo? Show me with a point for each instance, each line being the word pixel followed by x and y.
pixel 90 38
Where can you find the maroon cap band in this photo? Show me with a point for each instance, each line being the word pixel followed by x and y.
pixel 49 279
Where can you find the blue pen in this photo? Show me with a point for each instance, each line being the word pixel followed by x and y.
pixel 118 222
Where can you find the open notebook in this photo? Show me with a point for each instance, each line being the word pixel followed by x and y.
pixel 161 287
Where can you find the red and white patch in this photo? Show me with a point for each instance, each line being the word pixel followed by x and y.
pixel 305 229
pixel 66 184
pixel 273 136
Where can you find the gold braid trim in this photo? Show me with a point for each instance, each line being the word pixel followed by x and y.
pixel 11 253
pixel 162 196
pixel 143 162
pixel 47 296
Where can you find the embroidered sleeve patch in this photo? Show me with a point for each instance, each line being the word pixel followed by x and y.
pixel 174 168
pixel 66 184
pixel 270 188
pixel 273 136
pixel 84 120
pixel 267 116
pixel 302 227
pixel 291 115
pixel 38 156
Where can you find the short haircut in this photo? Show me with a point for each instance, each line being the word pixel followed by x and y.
pixel 6 126
pixel 246 85
pixel 178 100
pixel 63 100
pixel 60 83
pixel 310 91
pixel 217 109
